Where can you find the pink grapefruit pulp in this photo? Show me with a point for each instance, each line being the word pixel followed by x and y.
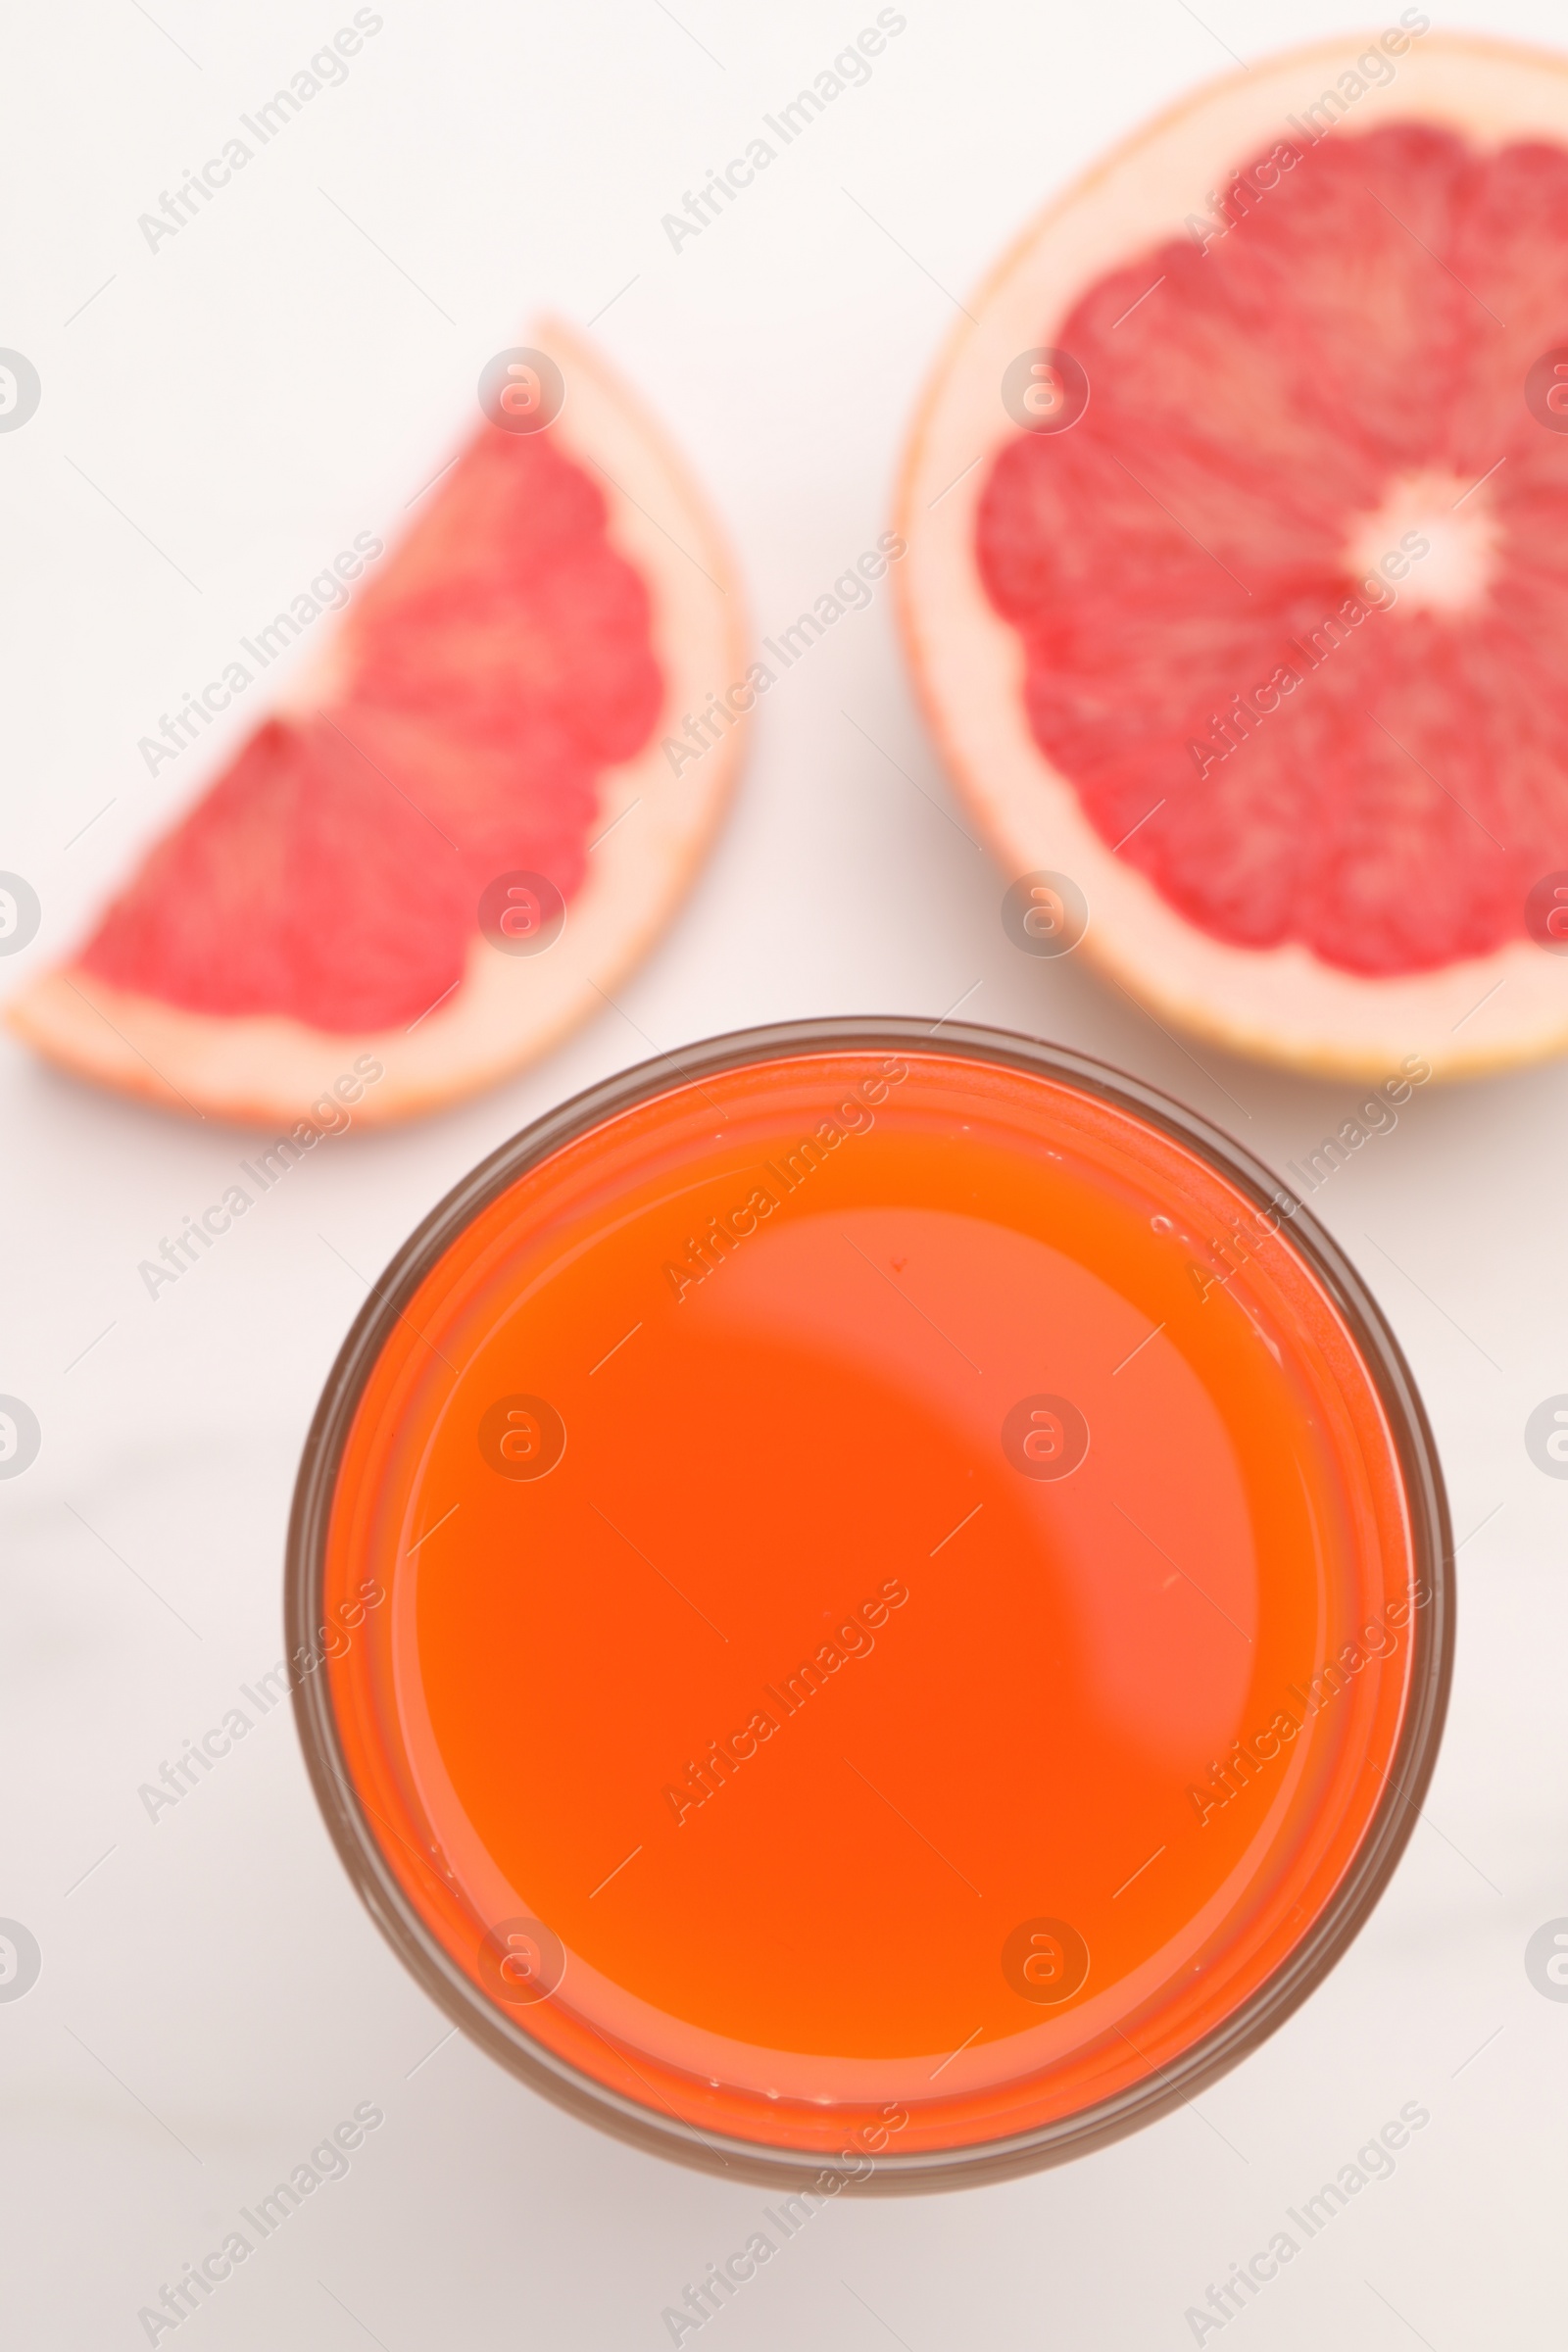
pixel 1238 589
pixel 487 723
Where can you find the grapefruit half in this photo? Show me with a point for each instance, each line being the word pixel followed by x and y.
pixel 461 826
pixel 1237 589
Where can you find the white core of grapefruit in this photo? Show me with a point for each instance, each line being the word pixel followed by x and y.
pixel 265 1069
pixel 1278 1003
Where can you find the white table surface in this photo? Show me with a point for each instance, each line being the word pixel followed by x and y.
pixel 222 416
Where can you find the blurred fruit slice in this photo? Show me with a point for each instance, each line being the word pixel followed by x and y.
pixel 1297 353
pixel 463 825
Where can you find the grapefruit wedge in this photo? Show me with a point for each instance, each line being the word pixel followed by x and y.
pixel 463 826
pixel 1237 589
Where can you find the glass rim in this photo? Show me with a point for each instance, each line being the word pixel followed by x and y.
pixel 1388 1825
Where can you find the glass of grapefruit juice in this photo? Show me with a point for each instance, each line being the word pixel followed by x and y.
pixel 871 1601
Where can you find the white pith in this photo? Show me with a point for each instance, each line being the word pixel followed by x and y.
pixel 1454 525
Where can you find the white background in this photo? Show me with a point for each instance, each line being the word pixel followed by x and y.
pixel 213 1999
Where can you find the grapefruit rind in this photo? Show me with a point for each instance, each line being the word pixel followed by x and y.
pixel 652 830
pixel 1282 1004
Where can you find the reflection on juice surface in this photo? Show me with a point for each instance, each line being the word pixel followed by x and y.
pixel 901 1600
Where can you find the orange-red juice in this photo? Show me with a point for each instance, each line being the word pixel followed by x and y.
pixel 905 1587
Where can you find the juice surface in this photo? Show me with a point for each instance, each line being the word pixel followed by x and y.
pixel 899 1602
